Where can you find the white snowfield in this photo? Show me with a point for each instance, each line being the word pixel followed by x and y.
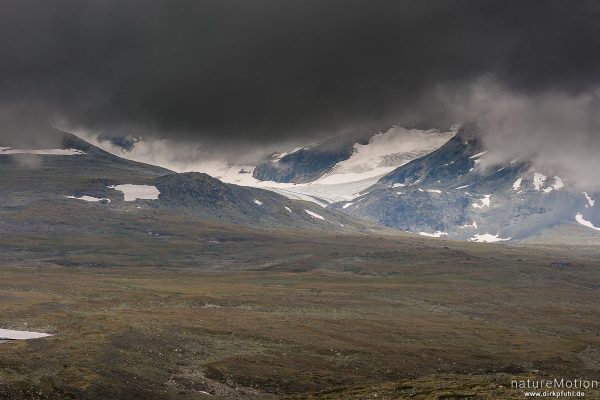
pixel 347 180
pixel 517 184
pixel 486 237
pixel 579 218
pixel 485 202
pixel 88 198
pixel 435 234
pixel 9 334
pixel 471 225
pixel 538 180
pixel 478 154
pixel 314 215
pixel 134 192
pixel 590 201
pixel 557 185
pixel 45 152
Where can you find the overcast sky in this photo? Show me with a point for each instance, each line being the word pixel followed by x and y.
pixel 227 72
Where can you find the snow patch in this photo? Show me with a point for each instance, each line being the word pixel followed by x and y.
pixel 472 225
pixel 557 185
pixel 461 187
pixel 579 219
pixel 314 215
pixel 478 154
pixel 385 152
pixel 88 198
pixel 538 180
pixel 590 201
pixel 433 190
pixel 347 205
pixel 287 208
pixel 45 152
pixel 9 334
pixel 135 192
pixel 395 185
pixel 258 202
pixel 517 184
pixel 485 202
pixel 486 237
pixel 435 234
pixel 278 156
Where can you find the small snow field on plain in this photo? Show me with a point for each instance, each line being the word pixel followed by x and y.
pixel 9 334
pixel 435 234
pixel 488 238
pixel 135 192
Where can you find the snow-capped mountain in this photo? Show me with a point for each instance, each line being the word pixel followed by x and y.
pixel 450 193
pixel 329 176
pixel 75 173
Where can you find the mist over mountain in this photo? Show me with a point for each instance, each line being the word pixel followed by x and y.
pixel 233 78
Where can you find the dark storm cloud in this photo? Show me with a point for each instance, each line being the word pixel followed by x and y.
pixel 272 70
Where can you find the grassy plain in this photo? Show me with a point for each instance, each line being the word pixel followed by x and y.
pixel 153 305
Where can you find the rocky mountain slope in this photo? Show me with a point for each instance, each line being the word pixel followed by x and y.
pixel 341 177
pixel 449 193
pixel 74 172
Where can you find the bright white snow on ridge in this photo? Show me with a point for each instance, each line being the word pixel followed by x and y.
pixel 486 237
pixel 258 202
pixel 517 184
pixel 287 208
pixel 485 202
pixel 590 201
pixel 385 152
pixel 538 180
pixel 134 192
pixel 88 198
pixel 557 185
pixel 347 205
pixel 579 218
pixel 478 154
pixel 314 215
pixel 435 234
pixel 21 335
pixel 45 152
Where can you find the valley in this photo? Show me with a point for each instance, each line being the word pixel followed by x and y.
pixel 209 311
pixel 159 285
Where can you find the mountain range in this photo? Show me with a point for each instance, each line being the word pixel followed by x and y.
pixel 436 184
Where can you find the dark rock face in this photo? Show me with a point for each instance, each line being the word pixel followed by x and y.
pixel 310 163
pixel 205 196
pixel 447 193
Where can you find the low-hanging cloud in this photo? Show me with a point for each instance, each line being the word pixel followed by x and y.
pixel 559 132
pixel 234 75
